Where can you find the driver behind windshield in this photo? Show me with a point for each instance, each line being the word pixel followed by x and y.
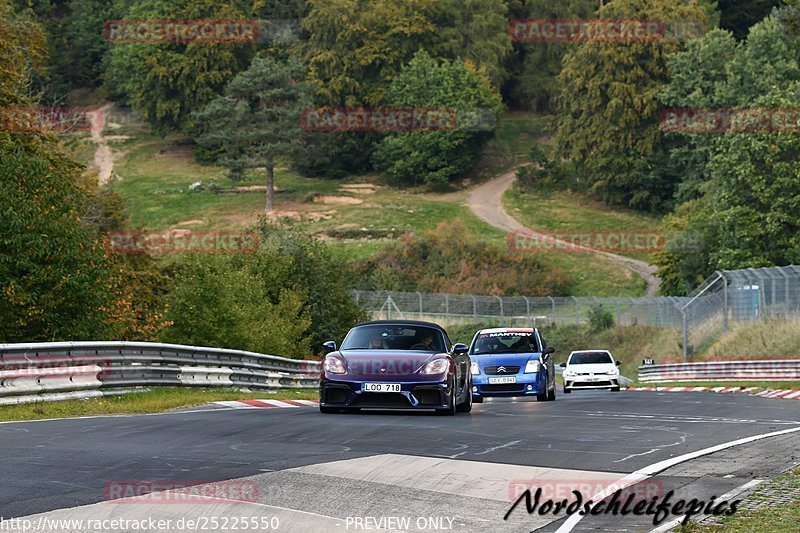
pixel 425 342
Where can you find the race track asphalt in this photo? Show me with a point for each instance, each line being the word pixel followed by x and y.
pixel 319 472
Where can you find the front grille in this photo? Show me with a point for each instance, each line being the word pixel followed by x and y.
pixel 591 384
pixel 492 370
pixel 504 387
pixel 381 399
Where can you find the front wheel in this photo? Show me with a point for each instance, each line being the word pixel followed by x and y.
pixel 450 410
pixel 466 407
pixel 551 394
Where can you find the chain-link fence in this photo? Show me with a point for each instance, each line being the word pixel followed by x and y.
pixel 727 296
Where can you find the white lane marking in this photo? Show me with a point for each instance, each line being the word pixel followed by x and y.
pixel 655 468
pixel 682 436
pixel 494 448
pixel 490 481
pixel 663 528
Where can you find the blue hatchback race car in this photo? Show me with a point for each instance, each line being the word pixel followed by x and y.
pixel 511 362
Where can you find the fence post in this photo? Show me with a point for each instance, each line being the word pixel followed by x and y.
pixel 685 337
pixel 618 312
pixel 527 307
pixel 577 312
pixel 502 315
pixel 474 307
pixel 553 305
pixel 420 304
pixel 446 306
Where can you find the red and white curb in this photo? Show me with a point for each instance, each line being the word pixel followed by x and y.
pixel 267 404
pixel 768 393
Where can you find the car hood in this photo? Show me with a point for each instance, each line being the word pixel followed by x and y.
pixel 503 359
pixel 386 362
pixel 599 368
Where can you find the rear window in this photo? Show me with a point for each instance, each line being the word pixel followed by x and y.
pixel 590 358
pixel 505 342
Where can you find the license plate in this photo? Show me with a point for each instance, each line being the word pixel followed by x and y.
pixel 498 381
pixel 381 387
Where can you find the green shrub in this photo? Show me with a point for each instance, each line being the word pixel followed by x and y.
pixel 600 318
pixel 448 259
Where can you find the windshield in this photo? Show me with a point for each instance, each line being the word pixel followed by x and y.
pixel 505 342
pixel 394 337
pixel 590 358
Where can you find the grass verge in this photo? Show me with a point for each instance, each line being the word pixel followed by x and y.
pixel 152 401
pixel 779 518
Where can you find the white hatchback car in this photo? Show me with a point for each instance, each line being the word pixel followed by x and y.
pixel 590 369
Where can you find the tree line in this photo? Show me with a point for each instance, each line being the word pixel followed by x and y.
pixel 729 199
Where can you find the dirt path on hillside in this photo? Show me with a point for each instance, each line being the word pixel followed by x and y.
pixel 103 156
pixel 486 201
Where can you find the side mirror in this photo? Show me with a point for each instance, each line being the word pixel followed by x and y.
pixel 618 363
pixel 563 365
pixel 548 350
pixel 328 347
pixel 460 348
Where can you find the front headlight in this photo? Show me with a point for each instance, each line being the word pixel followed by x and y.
pixel 532 366
pixel 473 368
pixel 437 366
pixel 334 365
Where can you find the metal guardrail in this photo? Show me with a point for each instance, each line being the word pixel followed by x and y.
pixel 68 370
pixel 777 370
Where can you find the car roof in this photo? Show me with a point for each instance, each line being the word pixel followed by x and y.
pixel 590 351
pixel 507 330
pixel 401 323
